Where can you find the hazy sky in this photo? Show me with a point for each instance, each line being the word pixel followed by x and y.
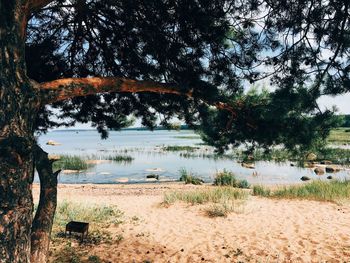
pixel 342 102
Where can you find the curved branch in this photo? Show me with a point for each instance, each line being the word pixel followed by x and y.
pixel 63 89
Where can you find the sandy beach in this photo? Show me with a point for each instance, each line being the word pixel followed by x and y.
pixel 265 230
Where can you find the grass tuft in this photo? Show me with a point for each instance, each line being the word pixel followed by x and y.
pixel 260 190
pixel 207 195
pixel 67 211
pixel 227 178
pixel 121 158
pixel 71 162
pixel 189 177
pixel 333 191
pixel 178 148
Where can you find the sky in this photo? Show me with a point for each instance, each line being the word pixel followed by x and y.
pixel 342 102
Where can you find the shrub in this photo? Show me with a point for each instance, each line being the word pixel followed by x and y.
pixel 243 184
pixel 227 178
pixel 189 178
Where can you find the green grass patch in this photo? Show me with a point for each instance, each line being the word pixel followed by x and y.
pixel 178 148
pixel 206 195
pixel 189 137
pixel 71 162
pixel 227 178
pixel 259 190
pixel 99 217
pixel 67 211
pixel 189 177
pixel 339 136
pixel 333 191
pixel 121 158
pixel 336 155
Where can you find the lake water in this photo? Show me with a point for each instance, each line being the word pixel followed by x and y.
pixel 146 149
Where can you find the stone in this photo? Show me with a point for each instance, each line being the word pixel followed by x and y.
pixel 248 165
pixel 329 177
pixel 319 170
pixel 152 176
pixel 305 178
pixel 332 169
pixel 52 143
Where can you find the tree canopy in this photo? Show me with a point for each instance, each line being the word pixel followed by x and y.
pixel 209 51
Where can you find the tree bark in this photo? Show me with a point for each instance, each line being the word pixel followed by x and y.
pixel 43 220
pixel 63 89
pixel 18 103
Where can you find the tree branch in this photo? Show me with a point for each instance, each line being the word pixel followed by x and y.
pixel 63 89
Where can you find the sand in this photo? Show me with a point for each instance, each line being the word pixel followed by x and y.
pixel 266 230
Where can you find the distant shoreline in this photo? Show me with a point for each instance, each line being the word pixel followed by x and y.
pixel 182 128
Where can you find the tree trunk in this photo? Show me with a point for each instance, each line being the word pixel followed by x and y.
pixel 18 103
pixel 43 220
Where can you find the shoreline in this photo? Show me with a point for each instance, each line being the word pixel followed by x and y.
pixel 268 230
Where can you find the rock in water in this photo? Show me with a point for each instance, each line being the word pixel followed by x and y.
pixel 305 178
pixel 53 143
pixel 152 176
pixel 329 177
pixel 332 169
pixel 248 165
pixel 319 170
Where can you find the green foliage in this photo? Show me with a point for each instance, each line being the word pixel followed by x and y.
pixel 176 148
pixel 339 136
pixel 70 162
pixel 273 120
pixel 189 178
pixel 94 259
pixel 187 137
pixel 334 191
pixel 336 155
pixel 121 158
pixel 260 190
pixel 227 178
pixel 140 46
pixel 243 184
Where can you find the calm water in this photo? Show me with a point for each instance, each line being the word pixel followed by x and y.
pixel 145 148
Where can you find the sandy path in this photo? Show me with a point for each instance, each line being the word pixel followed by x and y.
pixel 266 230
